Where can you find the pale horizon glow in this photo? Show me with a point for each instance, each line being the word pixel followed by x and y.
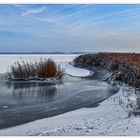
pixel 69 28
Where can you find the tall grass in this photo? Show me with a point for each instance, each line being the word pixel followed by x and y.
pixel 125 66
pixel 41 69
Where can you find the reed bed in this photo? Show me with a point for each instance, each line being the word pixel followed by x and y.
pixel 125 66
pixel 38 70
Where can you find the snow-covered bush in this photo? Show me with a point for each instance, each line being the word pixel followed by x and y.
pixel 125 66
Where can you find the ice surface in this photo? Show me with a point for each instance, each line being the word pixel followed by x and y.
pixel 110 118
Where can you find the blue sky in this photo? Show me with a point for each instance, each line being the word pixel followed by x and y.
pixel 69 28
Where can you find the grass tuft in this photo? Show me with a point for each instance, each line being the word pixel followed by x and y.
pixel 41 69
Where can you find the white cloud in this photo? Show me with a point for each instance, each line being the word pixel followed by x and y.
pixel 33 11
pixel 17 5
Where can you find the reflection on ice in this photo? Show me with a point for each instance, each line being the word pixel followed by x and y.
pixel 39 90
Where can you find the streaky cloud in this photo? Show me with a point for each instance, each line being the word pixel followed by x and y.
pixel 33 11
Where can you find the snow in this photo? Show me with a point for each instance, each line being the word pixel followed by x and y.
pixel 111 117
pixel 63 60
pixel 78 72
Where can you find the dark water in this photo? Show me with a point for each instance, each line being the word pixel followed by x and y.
pixel 24 102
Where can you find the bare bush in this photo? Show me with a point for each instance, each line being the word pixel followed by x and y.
pixel 42 69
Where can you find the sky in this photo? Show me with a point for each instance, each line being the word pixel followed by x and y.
pixel 70 28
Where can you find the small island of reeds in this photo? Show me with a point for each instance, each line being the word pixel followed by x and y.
pixel 37 70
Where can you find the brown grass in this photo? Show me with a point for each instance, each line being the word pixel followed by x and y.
pixel 132 58
pixel 42 69
pixel 126 66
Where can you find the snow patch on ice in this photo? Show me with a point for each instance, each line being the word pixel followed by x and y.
pixel 73 71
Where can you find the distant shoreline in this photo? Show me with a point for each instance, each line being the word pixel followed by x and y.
pixel 66 53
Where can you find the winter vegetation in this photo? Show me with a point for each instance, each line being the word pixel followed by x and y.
pixel 125 66
pixel 37 70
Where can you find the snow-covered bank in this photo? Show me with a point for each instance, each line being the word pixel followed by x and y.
pixel 63 60
pixel 112 117
pixel 73 71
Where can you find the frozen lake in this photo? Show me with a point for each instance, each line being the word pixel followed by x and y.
pixel 25 102
pixel 7 60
